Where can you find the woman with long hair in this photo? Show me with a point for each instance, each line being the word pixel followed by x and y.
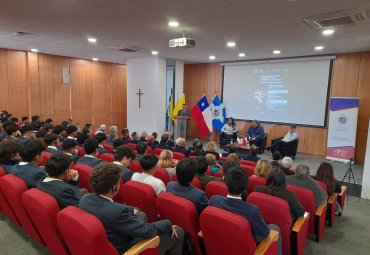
pixel 262 168
pixel 229 130
pixel 325 174
pixel 211 148
pixel 166 161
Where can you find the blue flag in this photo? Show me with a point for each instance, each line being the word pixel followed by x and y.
pixel 218 114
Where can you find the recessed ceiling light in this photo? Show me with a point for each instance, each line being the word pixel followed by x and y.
pixel 95 59
pixel 231 44
pixel 173 23
pixel 241 55
pixel 34 50
pixel 212 57
pixel 276 52
pixel 154 52
pixel 91 40
pixel 319 47
pixel 328 32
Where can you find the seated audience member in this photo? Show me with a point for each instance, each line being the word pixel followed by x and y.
pixel 279 144
pixel 275 159
pixel 229 130
pixel 152 142
pixel 255 133
pixel 231 149
pixel 102 139
pixel 59 173
pixel 69 148
pixel 12 132
pixel 234 158
pixel 91 150
pixel 101 129
pixel 252 156
pixel 134 138
pixel 211 148
pixel 113 134
pixel 227 166
pixel 212 163
pixel 170 143
pixel 236 181
pixel 48 121
pixel 185 172
pixel 276 186
pixel 141 150
pixel 25 121
pixel 118 142
pixel 28 132
pixel 48 127
pixel 58 130
pixel 14 120
pixel 87 130
pixel 198 150
pixel 81 137
pixel 125 135
pixel 143 136
pixel 36 123
pixel 325 174
pixel 72 131
pixel 163 143
pixel 202 169
pixel 195 141
pixel 51 141
pixel 9 155
pixel 166 161
pixel 303 179
pixel 3 133
pixel 28 170
pixel 148 164
pixel 262 168
pixel 123 156
pixel 40 135
pixel 286 165
pixel 181 147
pixel 122 226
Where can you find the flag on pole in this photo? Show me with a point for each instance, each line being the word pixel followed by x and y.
pixel 201 114
pixel 169 112
pixel 178 107
pixel 218 114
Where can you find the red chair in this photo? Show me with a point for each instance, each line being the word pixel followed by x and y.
pixel 157 151
pixel 178 155
pixel 84 173
pixel 119 196
pixel 108 147
pixel 142 196
pixel 209 172
pixel 247 162
pixel 13 188
pixel 81 151
pixel 131 145
pixel 108 157
pixel 6 208
pixel 135 167
pixel 161 173
pixel 224 238
pixel 42 209
pixel 276 211
pixel 181 212
pixel 219 174
pixel 248 169
pixel 216 188
pixel 332 204
pixel 255 181
pixel 85 234
pixel 2 171
pixel 342 198
pixel 195 182
pixel 317 215
pixel 223 159
pixel 149 150
pixel 45 156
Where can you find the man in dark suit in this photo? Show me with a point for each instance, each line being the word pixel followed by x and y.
pixel 58 170
pixel 198 150
pixel 134 138
pixel 69 148
pixel 181 147
pixel 123 157
pixel 123 229
pixel 28 170
pixel 163 143
pixel 91 150
pixel 141 150
pixel 28 132
pixel 12 132
pixel 185 172
pixel 51 140
pixel 102 138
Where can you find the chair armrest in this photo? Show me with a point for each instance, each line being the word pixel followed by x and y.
pixel 300 222
pixel 320 209
pixel 266 243
pixel 344 189
pixel 332 199
pixel 143 245
pixel 200 234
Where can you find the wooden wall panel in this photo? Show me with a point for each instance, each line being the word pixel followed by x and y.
pixel 33 83
pixel 4 88
pixel 46 85
pixel 61 92
pixel 81 91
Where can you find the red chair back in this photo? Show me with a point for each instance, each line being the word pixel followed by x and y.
pixel 119 196
pixel 195 182
pixel 135 167
pixel 84 173
pixel 157 151
pixel 216 188
pixel 108 157
pixel 6 208
pixel 223 159
pixel 255 181
pixel 248 169
pixel 149 150
pixel 2 171
pixel 81 151
pixel 83 233
pixel 178 155
pixel 142 196
pixel 181 212
pixel 13 188
pixel 161 173
pixel 42 209
pixel 219 174
pixel 45 156
pixel 108 147
pixel 247 162
pixel 131 145
pixel 209 172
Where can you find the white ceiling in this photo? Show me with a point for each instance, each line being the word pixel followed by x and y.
pixel 61 27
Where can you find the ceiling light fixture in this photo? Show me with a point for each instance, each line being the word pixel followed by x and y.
pixel 276 52
pixel 319 47
pixel 241 55
pixel 212 57
pixel 34 50
pixel 328 32
pixel 173 23
pixel 91 40
pixel 95 59
pixel 154 52
pixel 231 44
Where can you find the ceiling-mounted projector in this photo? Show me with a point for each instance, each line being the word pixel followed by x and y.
pixel 182 42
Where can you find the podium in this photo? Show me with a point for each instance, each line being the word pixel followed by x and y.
pixel 181 126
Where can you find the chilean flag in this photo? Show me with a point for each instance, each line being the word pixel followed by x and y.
pixel 201 114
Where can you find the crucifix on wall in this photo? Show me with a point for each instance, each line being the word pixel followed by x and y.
pixel 139 94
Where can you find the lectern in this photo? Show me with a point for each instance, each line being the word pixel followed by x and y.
pixel 181 126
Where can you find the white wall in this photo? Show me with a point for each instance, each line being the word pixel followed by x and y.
pixel 179 80
pixel 366 177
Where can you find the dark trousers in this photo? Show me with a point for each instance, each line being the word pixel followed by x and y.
pixel 257 142
pixel 277 146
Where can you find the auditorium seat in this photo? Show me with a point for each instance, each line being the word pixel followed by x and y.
pixel 81 151
pixel 276 211
pixel 157 151
pixel 247 169
pixel 224 238
pixel 118 198
pixel 84 173
pixel 290 148
pixel 178 155
pixel 223 159
pixel 216 188
pixel 2 171
pixel 84 234
pixel 219 174
pixel 181 212
pixel 108 147
pixel 209 172
pixel 6 208
pixel 332 204
pixel 45 156
pixel 149 150
pixel 195 182
pixel 142 196
pixel 255 181
pixel 247 162
pixel 108 157
pixel 135 167
pixel 13 188
pixel 342 198
pixel 317 215
pixel 161 173
pixel 42 209
pixel 131 145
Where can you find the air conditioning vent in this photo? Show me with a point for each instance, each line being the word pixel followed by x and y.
pixel 340 18
pixel 129 48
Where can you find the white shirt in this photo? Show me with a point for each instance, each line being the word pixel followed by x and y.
pixel 290 136
pixel 49 179
pixel 228 129
pixel 156 183
pixel 70 137
pixel 53 147
pixel 106 197
pixel 23 163
pixel 229 196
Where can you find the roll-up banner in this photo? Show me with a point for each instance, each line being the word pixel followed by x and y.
pixel 342 129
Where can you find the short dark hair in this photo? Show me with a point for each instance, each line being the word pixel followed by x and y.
pixel 57 164
pixel 14 119
pixel 134 135
pixel 276 155
pixel 236 181
pixel 49 138
pixel 8 149
pixel 35 117
pixel 202 164
pixel 118 142
pixel 125 131
pixel 104 177
pixel 48 120
pixel 24 118
pixel 48 127
pixel 69 144
pixel 232 148
pixel 199 146
pixel 148 161
pixel 10 129
pixel 101 137
pixel 41 133
pixel 141 148
pixel 164 138
pixel 123 151
pixel 27 128
pixel 71 128
pixel 81 137
pixel 186 170
pixel 228 165
pixel 30 149
pixel 58 129
pixel 86 130
pixel 90 145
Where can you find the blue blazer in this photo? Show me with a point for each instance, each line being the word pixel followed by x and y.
pixel 101 150
pixel 250 212
pixel 126 173
pixel 122 228
pixel 89 161
pixel 30 173
pixel 53 151
pixel 257 132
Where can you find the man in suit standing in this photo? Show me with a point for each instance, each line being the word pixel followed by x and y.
pixel 123 157
pixel 91 150
pixel 122 227
pixel 182 123
pixel 51 140
pixel 58 169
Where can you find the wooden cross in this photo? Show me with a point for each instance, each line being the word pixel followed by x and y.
pixel 139 94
